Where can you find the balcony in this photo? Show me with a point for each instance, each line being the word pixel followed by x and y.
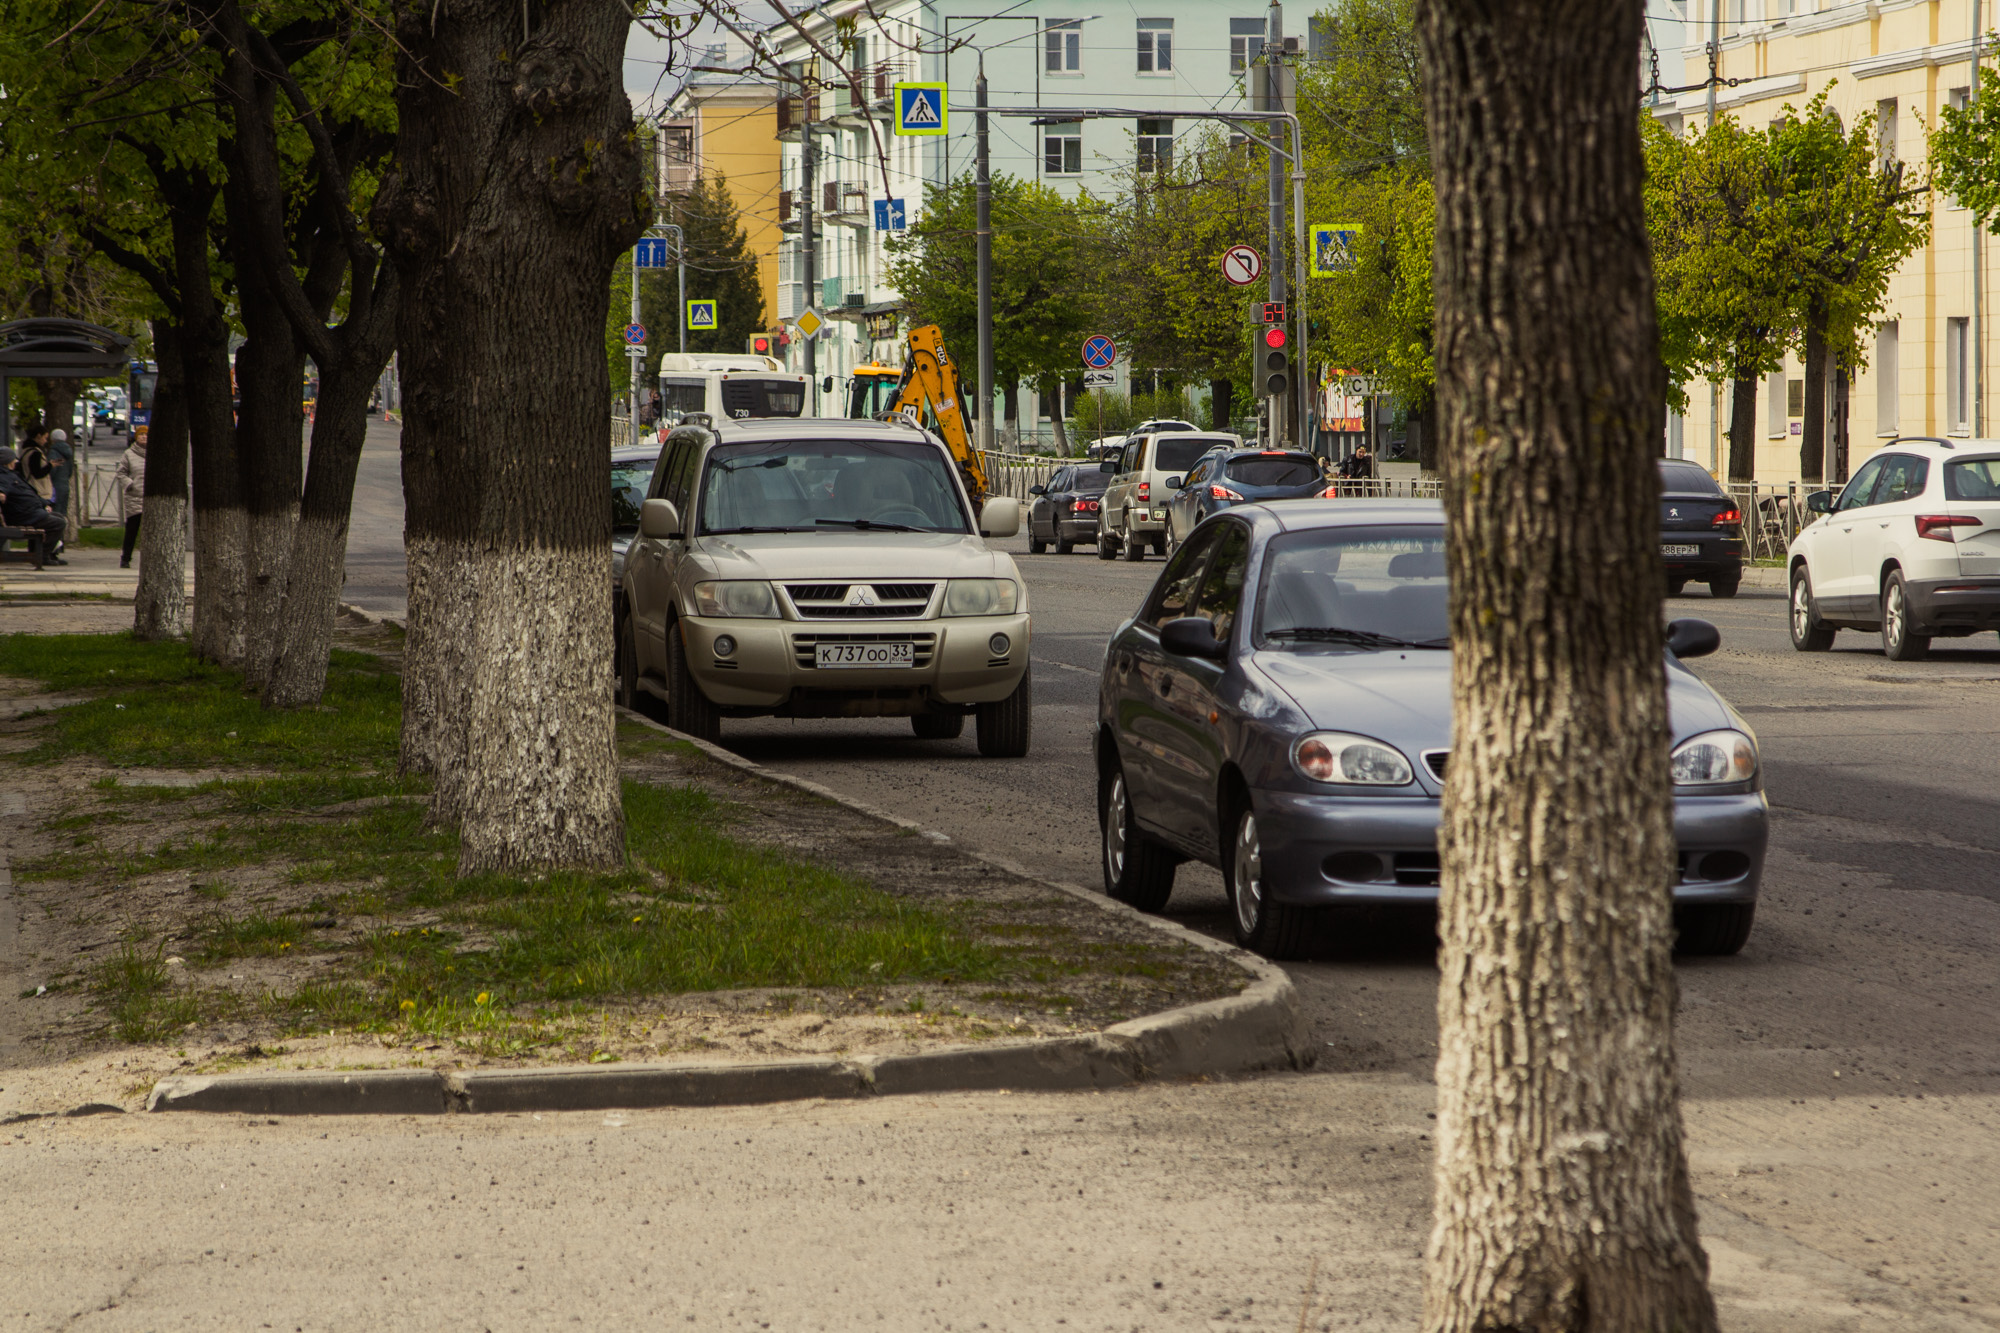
pixel 846 205
pixel 793 112
pixel 680 170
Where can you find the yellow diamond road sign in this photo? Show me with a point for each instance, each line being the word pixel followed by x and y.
pixel 809 322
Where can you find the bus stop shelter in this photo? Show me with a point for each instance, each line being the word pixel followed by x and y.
pixel 57 349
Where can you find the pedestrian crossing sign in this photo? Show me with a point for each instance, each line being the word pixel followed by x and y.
pixel 1333 248
pixel 920 108
pixel 701 314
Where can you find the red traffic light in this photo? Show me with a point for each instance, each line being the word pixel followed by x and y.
pixel 760 344
pixel 1274 337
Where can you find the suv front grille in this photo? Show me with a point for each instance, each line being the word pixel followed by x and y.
pixel 923 646
pixel 829 601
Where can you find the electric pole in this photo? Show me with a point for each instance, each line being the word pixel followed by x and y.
pixel 1274 45
pixel 983 194
pixel 809 243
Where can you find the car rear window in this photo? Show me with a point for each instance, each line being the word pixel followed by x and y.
pixel 1972 479
pixel 1178 453
pixel 1090 482
pixel 1264 470
pixel 1687 479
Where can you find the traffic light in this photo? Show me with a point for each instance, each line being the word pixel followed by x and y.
pixel 1277 365
pixel 762 344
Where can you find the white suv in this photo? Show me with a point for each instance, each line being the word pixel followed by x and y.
pixel 1911 548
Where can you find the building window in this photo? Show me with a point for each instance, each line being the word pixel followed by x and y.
pixel 1156 46
pixel 1888 390
pixel 1062 149
pixel 1957 412
pixel 1246 40
pixel 1775 405
pixel 1063 46
pixel 1885 132
pixel 1156 145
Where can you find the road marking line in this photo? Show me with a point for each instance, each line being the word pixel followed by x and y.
pixel 1065 666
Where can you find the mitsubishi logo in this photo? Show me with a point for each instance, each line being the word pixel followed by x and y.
pixel 862 595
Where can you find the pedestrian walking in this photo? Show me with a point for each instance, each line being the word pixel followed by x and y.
pixel 131 478
pixel 34 462
pixel 62 459
pixel 22 506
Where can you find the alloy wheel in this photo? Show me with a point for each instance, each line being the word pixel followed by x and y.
pixel 1895 616
pixel 1246 873
pixel 1801 609
pixel 1115 815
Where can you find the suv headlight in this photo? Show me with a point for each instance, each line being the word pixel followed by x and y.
pixel 740 599
pixel 1714 759
pixel 980 597
pixel 1336 756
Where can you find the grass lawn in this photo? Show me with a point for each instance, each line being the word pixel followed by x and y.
pixel 108 537
pixel 313 873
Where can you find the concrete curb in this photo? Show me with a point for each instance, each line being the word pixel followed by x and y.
pixel 1259 1028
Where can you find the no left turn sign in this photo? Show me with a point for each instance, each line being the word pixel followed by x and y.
pixel 1242 265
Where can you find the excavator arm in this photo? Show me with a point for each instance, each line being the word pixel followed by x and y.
pixel 931 380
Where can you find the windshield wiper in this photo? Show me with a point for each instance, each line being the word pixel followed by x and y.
pixel 1365 638
pixel 730 532
pixel 869 524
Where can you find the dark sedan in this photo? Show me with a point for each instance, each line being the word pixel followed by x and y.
pixel 1064 512
pixel 1701 531
pixel 1280 708
pixel 631 475
pixel 1225 477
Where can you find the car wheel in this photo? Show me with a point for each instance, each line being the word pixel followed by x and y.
pixel 1725 587
pixel 1138 871
pixel 1675 587
pixel 1105 550
pixel 628 663
pixel 1135 545
pixel 1900 641
pixel 1064 546
pixel 1036 546
pixel 938 726
pixel 1713 929
pixel 1809 633
pixel 1273 929
pixel 1006 727
pixel 688 709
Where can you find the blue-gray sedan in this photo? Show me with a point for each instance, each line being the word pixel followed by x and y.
pixel 1280 708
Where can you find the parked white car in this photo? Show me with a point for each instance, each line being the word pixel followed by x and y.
pixel 1910 549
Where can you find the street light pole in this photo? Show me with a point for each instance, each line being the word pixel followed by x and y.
pixel 983 191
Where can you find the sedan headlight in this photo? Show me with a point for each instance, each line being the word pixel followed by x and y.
pixel 1714 759
pixel 980 597
pixel 740 599
pixel 1336 756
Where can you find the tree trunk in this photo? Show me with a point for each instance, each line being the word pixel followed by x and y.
pixel 1812 439
pixel 517 187
pixel 270 371
pixel 1424 425
pixel 1051 392
pixel 159 607
pixel 1562 1197
pixel 1743 428
pixel 1221 404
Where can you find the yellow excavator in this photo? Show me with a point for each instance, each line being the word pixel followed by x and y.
pixel 927 389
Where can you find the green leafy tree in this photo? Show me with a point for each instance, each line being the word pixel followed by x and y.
pixel 1719 226
pixel 1851 219
pixel 1041 280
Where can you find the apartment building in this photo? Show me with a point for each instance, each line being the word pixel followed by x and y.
pixel 1169 58
pixel 720 122
pixel 1901 61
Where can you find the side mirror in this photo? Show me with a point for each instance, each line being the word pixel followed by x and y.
pixel 826 385
pixel 1820 502
pixel 1038 490
pixel 659 519
pixel 1193 636
pixel 1000 516
pixel 1692 638
pixel 1109 467
pixel 1173 483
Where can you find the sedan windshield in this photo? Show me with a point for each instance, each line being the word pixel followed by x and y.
pixel 821 485
pixel 1348 588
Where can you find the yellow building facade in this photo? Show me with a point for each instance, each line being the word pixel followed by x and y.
pixel 725 123
pixel 1928 363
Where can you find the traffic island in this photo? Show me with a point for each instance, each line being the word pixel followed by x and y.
pixel 250 911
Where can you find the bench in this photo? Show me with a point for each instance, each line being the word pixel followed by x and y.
pixel 36 554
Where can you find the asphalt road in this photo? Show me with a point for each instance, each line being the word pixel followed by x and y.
pixel 1842 1081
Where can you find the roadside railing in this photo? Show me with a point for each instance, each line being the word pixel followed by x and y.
pixel 1014 474
pixel 1388 488
pixel 1773 513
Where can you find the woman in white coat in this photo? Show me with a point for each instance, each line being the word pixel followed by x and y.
pixel 131 477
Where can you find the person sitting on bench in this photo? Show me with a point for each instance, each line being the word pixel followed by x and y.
pixel 21 506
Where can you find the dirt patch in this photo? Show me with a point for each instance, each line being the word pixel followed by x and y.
pixel 193 921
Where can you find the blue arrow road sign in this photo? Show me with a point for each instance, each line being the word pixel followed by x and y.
pixel 635 333
pixel 1099 351
pixel 889 215
pixel 651 252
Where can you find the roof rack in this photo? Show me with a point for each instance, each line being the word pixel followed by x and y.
pixel 1922 439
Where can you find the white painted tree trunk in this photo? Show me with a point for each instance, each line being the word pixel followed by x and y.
pixel 160 606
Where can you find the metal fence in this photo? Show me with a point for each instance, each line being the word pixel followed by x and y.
pixel 1773 513
pixel 1013 474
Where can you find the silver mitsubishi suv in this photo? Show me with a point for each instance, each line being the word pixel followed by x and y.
pixel 820 567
